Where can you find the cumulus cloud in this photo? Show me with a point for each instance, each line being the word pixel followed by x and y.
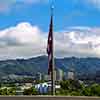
pixel 25 40
pixel 80 42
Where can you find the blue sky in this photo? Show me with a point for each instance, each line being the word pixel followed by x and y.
pixel 66 13
pixel 24 26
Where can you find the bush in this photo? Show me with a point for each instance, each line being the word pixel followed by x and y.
pixel 31 91
pixel 75 93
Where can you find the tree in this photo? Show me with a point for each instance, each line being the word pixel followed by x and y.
pixel 95 90
pixel 30 91
pixel 3 91
pixel 86 91
pixel 71 85
pixel 11 91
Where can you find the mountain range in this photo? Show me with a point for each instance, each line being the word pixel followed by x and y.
pixel 82 66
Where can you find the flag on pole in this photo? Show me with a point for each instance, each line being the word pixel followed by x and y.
pixel 50 52
pixel 50 47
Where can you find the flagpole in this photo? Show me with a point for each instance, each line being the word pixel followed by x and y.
pixel 53 63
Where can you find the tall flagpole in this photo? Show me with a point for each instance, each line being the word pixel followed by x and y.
pixel 53 64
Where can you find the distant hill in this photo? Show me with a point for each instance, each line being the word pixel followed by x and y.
pixel 31 66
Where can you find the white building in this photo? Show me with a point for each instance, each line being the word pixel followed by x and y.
pixel 71 74
pixel 59 74
pixel 38 76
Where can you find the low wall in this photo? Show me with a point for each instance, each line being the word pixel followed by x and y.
pixel 46 98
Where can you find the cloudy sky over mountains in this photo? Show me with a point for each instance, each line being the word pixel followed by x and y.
pixel 24 26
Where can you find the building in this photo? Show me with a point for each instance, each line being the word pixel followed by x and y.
pixel 98 76
pixel 59 74
pixel 38 76
pixel 71 73
pixel 46 77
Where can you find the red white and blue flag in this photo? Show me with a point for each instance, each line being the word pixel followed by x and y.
pixel 50 47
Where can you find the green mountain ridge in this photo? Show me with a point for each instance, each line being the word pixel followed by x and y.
pixel 82 66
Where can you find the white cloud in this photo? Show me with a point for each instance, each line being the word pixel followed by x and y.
pixel 25 40
pixel 83 42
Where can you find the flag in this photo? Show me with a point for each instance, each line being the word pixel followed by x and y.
pixel 50 47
